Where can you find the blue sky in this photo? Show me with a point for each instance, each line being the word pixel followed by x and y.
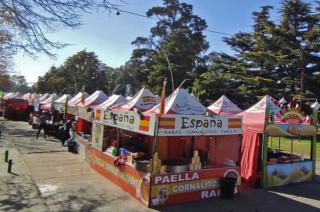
pixel 110 36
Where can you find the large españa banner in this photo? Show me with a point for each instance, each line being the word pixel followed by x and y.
pixel 188 125
pixel 128 120
pixel 171 125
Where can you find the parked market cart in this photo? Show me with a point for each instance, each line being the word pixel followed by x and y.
pixel 266 129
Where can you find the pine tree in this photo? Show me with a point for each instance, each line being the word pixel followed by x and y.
pixel 276 58
pixel 176 43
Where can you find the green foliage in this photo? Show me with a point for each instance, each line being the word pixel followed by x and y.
pixel 217 80
pixel 19 84
pixel 272 59
pixel 81 69
pixel 176 41
pixel 14 83
pixel 5 83
pixel 127 74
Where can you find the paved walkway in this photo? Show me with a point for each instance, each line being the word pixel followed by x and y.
pixel 48 178
pixel 60 180
pixel 17 190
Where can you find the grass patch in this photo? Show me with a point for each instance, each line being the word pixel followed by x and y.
pixel 299 146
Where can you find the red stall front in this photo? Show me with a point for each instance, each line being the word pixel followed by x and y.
pixel 174 157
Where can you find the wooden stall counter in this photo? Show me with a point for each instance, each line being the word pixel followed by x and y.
pixel 135 182
pixel 168 188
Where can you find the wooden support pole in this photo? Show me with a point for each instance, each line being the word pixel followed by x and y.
pixel 264 160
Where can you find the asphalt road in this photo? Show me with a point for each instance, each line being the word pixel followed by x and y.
pixel 48 178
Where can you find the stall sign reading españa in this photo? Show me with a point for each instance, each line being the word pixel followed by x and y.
pixel 184 125
pixel 129 120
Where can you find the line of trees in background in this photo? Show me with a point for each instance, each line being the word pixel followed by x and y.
pixel 280 58
pixel 24 26
pixel 13 83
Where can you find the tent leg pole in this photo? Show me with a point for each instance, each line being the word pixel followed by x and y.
pixel 117 137
pixel 264 161
pixel 291 150
pixel 154 145
pixel 313 155
pixel 314 144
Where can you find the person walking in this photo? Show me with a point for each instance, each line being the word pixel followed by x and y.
pixel 66 133
pixel 44 118
pixel 72 144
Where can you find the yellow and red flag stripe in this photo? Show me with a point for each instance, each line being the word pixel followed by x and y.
pixel 145 123
pixel 98 114
pixel 167 123
pixel 234 123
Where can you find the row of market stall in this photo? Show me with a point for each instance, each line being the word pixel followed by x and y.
pixel 180 155
pixel 173 157
pixel 45 101
pixel 174 150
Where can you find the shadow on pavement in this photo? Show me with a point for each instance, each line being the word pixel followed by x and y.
pixel 24 196
pixel 84 199
pixel 26 138
pixel 79 197
pixel 307 190
pixel 260 200
pixel 18 195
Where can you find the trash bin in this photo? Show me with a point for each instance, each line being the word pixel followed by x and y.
pixel 227 185
pixel 72 147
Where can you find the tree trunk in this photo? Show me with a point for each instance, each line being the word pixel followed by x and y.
pixel 301 85
pixel 293 88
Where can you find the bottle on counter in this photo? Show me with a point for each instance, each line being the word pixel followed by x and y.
pixel 302 157
pixel 195 161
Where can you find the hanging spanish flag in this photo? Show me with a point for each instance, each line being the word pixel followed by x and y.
pixel 234 123
pixel 98 115
pixel 163 97
pixel 167 123
pixel 144 123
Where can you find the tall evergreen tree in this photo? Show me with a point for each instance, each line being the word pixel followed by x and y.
pixel 276 58
pixel 176 43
